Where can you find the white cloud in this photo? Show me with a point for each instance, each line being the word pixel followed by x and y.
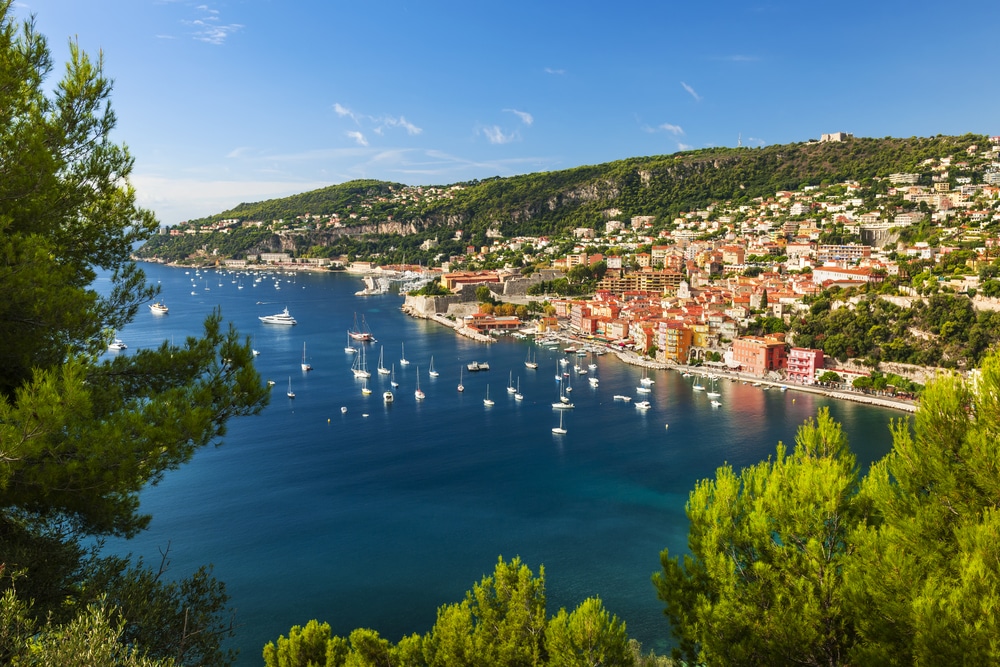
pixel 358 137
pixel 525 117
pixel 410 128
pixel 344 111
pixel 691 91
pixel 549 70
pixel 207 28
pixel 683 147
pixel 495 135
pixel 673 129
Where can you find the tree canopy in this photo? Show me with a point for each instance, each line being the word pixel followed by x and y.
pixel 80 436
pixel 800 560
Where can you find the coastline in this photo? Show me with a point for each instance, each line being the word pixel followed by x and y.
pixel 634 359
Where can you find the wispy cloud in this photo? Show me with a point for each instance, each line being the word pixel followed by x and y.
pixel 756 141
pixel 525 117
pixel 208 29
pixel 376 124
pixel 495 135
pixel 358 137
pixel 675 130
pixel 552 70
pixel 683 147
pixel 691 92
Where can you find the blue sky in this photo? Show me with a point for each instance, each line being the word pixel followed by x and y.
pixel 246 100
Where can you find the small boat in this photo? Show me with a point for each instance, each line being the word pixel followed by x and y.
pixel 530 362
pixel 270 383
pixel 387 396
pixel 433 373
pixel 158 308
pixel 646 380
pixel 714 391
pixel 392 377
pixel 593 381
pixel 643 390
pixel 306 366
pixel 280 318
pixel 642 405
pixel 419 394
pixel 365 391
pixel 510 383
pixel 559 429
pixel 117 344
pixel 476 366
pixel 487 401
pixel 343 409
pixel 518 396
pixel 350 349
pixel 382 370
pixel 290 393
pixel 461 387
pixel 403 361
pixel 622 397
pixel 715 403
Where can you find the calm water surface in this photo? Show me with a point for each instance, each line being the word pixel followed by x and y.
pixel 377 516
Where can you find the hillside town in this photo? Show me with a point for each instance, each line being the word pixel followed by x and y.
pixel 687 294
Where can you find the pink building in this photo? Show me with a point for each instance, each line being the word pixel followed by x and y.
pixel 803 363
pixel 758 355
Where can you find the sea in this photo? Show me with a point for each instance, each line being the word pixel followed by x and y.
pixel 339 507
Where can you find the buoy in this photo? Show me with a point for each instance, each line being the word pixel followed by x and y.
pixel 666 426
pixel 328 420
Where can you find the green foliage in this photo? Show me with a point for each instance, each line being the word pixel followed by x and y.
pixel 587 636
pixel 81 438
pixel 800 561
pixel 501 621
pixel 763 583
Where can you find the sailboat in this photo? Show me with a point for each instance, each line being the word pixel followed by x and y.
pixel 517 392
pixel 461 387
pixel 419 394
pixel 290 393
pixel 306 366
pixel 433 373
pixel 403 361
pixel 365 391
pixel 530 362
pixel 646 380
pixel 559 429
pixel 360 333
pixel 487 401
pixel 360 367
pixel 392 377
pixel 382 370
pixel 558 374
pixel 563 403
pixel 510 384
pixel 714 392
pixel 697 386
pixel 349 349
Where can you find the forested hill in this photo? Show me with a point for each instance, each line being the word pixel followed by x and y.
pixel 552 202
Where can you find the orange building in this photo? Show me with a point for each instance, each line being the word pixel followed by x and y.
pixel 758 355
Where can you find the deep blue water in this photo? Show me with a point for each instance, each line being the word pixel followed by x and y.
pixel 375 521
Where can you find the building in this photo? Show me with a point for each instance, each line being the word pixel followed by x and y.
pixel 803 364
pixel 452 281
pixel 758 355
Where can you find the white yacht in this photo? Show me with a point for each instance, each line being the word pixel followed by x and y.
pixel 159 308
pixel 280 318
pixel 117 344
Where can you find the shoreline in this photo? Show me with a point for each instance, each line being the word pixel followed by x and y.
pixel 633 359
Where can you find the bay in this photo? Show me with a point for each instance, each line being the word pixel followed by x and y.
pixel 376 516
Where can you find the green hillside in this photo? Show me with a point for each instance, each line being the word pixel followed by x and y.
pixel 390 221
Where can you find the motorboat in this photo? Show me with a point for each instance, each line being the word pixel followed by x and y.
pixel 280 318
pixel 117 344
pixel 158 308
